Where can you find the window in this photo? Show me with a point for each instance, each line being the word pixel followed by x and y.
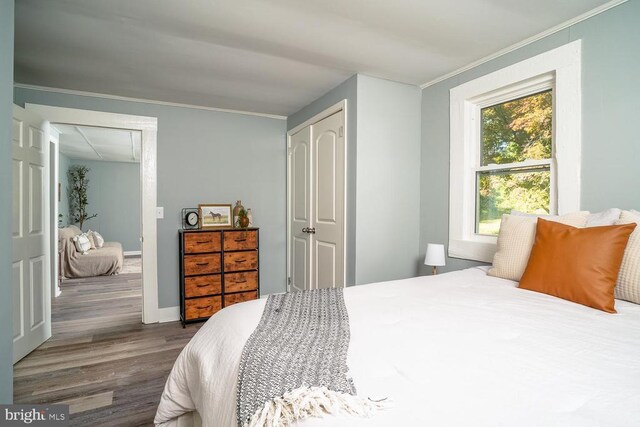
pixel 515 160
pixel 515 145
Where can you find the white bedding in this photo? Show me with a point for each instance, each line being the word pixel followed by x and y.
pixel 458 349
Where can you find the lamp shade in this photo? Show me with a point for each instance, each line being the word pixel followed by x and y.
pixel 435 255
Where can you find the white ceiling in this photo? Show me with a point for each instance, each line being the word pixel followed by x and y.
pixel 102 144
pixel 268 56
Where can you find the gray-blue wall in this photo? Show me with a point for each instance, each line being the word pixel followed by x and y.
pixel 383 175
pixel 206 157
pixel 114 194
pixel 63 205
pixel 6 289
pixel 610 111
pixel 388 180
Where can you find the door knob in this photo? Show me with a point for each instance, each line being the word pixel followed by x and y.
pixel 310 230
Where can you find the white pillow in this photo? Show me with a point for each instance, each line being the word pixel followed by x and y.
pixel 628 284
pixel 98 240
pixel 82 243
pixel 516 238
pixel 608 217
pixel 89 235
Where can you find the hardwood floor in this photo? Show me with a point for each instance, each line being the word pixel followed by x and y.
pixel 101 360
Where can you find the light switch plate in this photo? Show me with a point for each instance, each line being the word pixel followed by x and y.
pixel 160 212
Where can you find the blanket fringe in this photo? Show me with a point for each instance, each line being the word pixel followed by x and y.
pixel 307 402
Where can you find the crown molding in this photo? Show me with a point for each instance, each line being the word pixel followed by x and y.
pixel 141 100
pixel 598 10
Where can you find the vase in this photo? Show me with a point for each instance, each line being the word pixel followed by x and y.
pixel 236 212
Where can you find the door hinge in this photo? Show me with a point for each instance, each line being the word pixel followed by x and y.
pixel 341 131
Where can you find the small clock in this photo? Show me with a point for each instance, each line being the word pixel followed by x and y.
pixel 190 218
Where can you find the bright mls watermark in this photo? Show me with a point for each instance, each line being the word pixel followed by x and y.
pixel 34 415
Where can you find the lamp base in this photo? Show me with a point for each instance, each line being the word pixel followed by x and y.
pixel 434 270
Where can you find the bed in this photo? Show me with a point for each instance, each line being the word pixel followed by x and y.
pixel 104 261
pixel 457 349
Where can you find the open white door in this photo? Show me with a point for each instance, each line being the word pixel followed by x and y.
pixel 31 258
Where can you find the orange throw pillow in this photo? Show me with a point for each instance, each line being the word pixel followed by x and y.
pixel 577 264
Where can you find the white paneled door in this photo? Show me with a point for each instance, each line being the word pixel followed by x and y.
pixel 300 209
pixel 317 202
pixel 31 287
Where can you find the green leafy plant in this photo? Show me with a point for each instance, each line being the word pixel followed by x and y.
pixel 78 200
pixel 513 132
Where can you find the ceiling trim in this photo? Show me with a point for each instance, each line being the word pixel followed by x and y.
pixel 142 100
pixel 560 27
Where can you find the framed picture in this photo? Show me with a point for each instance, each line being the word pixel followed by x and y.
pixel 215 216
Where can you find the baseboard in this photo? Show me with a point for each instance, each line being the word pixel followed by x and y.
pixel 132 253
pixel 168 314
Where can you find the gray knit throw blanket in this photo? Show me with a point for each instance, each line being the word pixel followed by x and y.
pixel 294 365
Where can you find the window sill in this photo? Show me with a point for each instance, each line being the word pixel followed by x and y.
pixel 472 250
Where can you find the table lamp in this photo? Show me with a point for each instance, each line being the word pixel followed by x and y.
pixel 435 256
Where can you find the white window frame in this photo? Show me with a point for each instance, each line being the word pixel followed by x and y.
pixel 559 70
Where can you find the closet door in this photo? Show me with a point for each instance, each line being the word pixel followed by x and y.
pixel 316 205
pixel 300 210
pixel 327 266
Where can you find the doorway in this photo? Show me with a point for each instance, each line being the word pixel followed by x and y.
pixel 98 201
pixel 316 201
pixel 146 128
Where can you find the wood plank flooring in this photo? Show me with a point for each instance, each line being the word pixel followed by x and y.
pixel 101 360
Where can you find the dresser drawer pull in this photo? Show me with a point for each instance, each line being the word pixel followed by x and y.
pixel 240 281
pixel 202 263
pixel 204 285
pixel 203 243
pixel 238 261
pixel 240 240
pixel 203 307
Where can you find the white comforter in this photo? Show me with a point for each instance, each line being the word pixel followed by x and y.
pixel 458 349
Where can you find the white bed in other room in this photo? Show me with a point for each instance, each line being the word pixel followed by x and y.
pixel 458 349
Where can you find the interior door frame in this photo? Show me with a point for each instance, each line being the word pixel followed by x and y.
pixel 340 106
pixel 148 126
pixel 54 176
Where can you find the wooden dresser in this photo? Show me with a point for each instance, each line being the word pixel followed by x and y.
pixel 218 268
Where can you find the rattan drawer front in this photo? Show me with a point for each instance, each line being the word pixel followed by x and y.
pixel 238 282
pixel 195 243
pixel 240 240
pixel 202 307
pixel 238 261
pixel 201 264
pixel 230 299
pixel 202 285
